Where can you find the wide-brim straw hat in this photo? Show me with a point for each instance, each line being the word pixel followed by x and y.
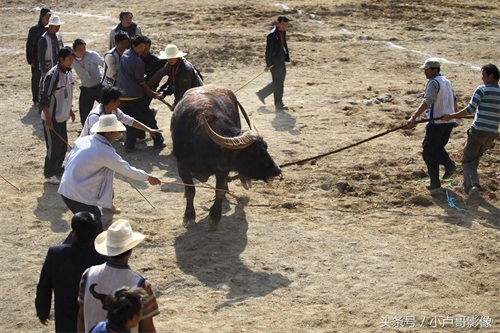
pixel 108 123
pixel 117 239
pixel 54 20
pixel 171 51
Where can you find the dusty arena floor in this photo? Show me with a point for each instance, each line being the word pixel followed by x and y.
pixel 352 242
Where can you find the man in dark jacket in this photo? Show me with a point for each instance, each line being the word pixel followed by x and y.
pixel 34 35
pixel 62 270
pixel 276 56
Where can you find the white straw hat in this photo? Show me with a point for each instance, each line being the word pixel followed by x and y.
pixel 108 123
pixel 117 239
pixel 54 20
pixel 171 51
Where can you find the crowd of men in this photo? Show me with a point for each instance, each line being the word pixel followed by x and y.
pixel 89 272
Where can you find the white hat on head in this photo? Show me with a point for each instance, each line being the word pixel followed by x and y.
pixel 431 63
pixel 171 51
pixel 108 123
pixel 119 238
pixel 54 20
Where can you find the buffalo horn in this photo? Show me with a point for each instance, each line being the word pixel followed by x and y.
pixel 238 142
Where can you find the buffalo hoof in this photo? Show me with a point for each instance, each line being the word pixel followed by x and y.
pixel 213 225
pixel 188 223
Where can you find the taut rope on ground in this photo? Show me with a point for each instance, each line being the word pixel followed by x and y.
pixel 360 142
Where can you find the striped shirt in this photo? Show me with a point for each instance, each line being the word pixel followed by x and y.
pixel 486 101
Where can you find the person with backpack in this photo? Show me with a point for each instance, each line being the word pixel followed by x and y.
pixel 56 104
pixel 182 75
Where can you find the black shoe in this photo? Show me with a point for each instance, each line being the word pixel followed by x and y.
pixel 260 98
pixel 160 145
pixel 281 107
pixel 130 149
pixel 448 172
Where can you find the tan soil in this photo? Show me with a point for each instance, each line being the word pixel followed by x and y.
pixel 339 243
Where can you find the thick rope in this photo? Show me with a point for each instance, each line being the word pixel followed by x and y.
pixel 358 143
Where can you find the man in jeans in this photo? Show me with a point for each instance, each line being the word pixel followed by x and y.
pixel 484 129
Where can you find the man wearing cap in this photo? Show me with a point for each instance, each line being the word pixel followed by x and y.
pixel 98 281
pixel 49 45
pixel 182 75
pixel 439 100
pixel 276 56
pixel 126 25
pixel 134 102
pixel 485 103
pixel 34 35
pixel 87 182
pixel 62 271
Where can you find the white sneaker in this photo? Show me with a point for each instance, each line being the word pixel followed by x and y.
pixel 53 180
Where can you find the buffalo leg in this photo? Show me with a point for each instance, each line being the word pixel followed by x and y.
pixel 216 209
pixel 189 219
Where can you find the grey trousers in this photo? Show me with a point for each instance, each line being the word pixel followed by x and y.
pixel 477 143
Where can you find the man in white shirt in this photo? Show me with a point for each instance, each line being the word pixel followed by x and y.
pixel 87 182
pixel 86 65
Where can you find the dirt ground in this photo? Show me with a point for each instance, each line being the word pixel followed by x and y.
pixel 351 242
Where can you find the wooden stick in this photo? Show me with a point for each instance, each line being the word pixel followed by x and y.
pixel 199 186
pixel 166 103
pixel 60 137
pixel 11 183
pixel 243 86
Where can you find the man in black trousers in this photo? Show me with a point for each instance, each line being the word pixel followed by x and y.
pixel 276 56
pixel 62 271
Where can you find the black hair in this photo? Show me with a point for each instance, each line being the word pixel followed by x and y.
pixel 122 255
pixel 121 36
pixel 147 40
pixel 64 52
pixel 125 12
pixel 110 93
pixel 123 304
pixel 137 40
pixel 490 69
pixel 44 11
pixel 84 224
pixel 283 18
pixel 77 42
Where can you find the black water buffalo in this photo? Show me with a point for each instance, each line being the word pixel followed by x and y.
pixel 208 140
